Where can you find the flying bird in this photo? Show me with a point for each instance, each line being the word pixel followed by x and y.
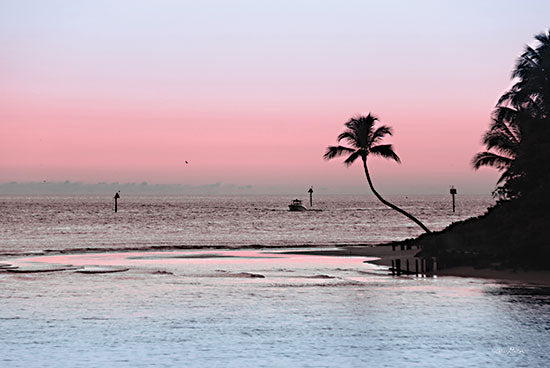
pixel 186 162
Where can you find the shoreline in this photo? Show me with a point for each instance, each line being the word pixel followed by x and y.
pixel 383 252
pixel 385 255
pixel 167 248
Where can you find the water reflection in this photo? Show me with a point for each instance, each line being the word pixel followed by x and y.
pixel 178 308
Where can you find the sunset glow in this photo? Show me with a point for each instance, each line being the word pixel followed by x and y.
pixel 127 91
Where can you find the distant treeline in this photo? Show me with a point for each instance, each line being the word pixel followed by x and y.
pixel 68 187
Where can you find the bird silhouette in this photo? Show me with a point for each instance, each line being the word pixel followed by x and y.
pixel 186 162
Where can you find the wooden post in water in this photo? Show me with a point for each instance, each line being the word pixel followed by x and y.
pixel 423 266
pixel 392 267
pixel 416 266
pixel 453 193
pixel 117 196
pixel 429 266
pixel 398 267
pixel 407 262
pixel 310 191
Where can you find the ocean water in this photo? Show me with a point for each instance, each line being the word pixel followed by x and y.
pixel 246 308
pixel 31 224
pixel 214 308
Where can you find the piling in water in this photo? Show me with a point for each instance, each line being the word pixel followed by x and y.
pixel 423 266
pixel 453 193
pixel 117 196
pixel 398 267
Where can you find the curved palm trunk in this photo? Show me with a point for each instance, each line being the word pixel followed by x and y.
pixel 416 221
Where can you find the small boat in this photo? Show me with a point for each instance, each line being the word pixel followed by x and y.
pixel 296 205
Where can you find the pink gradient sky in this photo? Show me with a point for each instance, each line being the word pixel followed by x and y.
pixel 251 92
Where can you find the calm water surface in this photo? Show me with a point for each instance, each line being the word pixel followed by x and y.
pixel 211 308
pixel 38 223
pixel 203 308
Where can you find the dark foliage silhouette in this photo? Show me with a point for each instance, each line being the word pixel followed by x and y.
pixel 518 139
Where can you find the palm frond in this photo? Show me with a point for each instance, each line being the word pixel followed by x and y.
pixel 349 136
pixel 500 143
pixel 354 156
pixel 335 151
pixel 506 97
pixel 509 119
pixel 386 151
pixel 491 159
pixel 380 133
pixel 544 38
pixel 526 62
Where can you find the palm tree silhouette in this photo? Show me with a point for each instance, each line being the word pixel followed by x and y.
pixel 517 139
pixel 502 141
pixel 532 74
pixel 364 140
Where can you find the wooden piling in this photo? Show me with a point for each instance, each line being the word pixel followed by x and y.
pixel 393 267
pixel 453 193
pixel 416 266
pixel 398 267
pixel 407 265
pixel 429 266
pixel 117 196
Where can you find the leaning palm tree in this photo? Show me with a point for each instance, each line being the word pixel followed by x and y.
pixel 365 140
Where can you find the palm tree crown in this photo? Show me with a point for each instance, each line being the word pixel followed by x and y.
pixel 364 140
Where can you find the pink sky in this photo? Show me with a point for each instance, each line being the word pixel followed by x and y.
pixel 251 93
